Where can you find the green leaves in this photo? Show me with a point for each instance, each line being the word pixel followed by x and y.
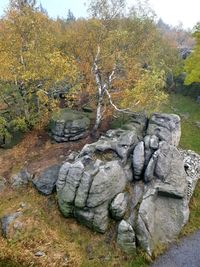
pixel 192 66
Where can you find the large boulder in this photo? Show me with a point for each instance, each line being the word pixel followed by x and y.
pixel 118 206
pixel 69 125
pixel 86 188
pixel 164 208
pixel 160 219
pixel 126 237
pixel 46 181
pixel 99 173
pixel 166 127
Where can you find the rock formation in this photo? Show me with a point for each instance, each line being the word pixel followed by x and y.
pixel 67 125
pixel 136 176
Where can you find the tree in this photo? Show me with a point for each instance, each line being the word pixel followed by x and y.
pixel 192 66
pixel 70 16
pixel 31 67
pixel 118 56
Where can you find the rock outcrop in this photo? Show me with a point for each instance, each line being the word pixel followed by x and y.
pixel 67 125
pixel 86 188
pixel 136 176
pixel 166 127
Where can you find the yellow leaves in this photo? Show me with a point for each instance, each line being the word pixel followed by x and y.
pixel 147 94
pixel 32 66
pixel 192 66
pixel 27 50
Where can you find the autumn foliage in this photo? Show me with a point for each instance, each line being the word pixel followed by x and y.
pixel 122 53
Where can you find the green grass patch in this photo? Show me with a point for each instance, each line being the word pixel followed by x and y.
pixel 189 112
pixel 194 220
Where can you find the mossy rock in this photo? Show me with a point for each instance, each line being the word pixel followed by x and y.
pixel 69 125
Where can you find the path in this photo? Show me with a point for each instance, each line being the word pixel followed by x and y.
pixel 184 254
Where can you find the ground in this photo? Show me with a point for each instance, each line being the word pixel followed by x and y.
pixel 64 241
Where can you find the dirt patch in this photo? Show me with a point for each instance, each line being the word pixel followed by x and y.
pixel 36 152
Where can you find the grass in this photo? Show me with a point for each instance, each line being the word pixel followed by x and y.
pixel 45 229
pixel 194 220
pixel 189 112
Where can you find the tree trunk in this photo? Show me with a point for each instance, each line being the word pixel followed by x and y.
pixel 98 114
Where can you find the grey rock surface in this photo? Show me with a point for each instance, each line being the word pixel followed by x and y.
pixel 20 179
pixel 191 162
pixel 126 237
pixel 86 187
pixel 170 172
pixel 118 206
pixel 98 183
pixel 6 221
pixel 69 125
pixel 138 160
pixel 46 181
pixel 166 127
pixel 120 141
pixel 40 254
pixel 164 209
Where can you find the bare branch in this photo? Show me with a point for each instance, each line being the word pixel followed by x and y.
pixel 115 107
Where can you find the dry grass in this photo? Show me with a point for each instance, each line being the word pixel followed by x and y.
pixel 64 241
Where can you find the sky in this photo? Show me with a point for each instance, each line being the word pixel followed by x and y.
pixel 172 12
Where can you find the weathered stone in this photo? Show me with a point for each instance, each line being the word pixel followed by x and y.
pixel 126 237
pixel 118 206
pixel 20 179
pixel 109 181
pixel 154 142
pixel 137 123
pixel 128 170
pixel 136 194
pixel 68 182
pixel 149 172
pixel 164 208
pixel 85 189
pixel 166 127
pixel 121 141
pixel 138 160
pixel 6 222
pixel 148 151
pixel 72 156
pixel 192 168
pixel 69 125
pixel 40 254
pixel 170 169
pixel 91 187
pixel 46 181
